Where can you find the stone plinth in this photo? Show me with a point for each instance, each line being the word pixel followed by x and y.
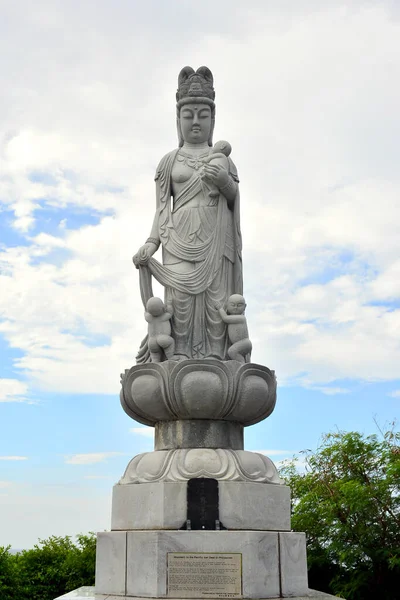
pixel 163 505
pixel 273 563
pixel 88 593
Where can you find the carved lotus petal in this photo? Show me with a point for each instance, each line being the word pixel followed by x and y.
pixel 144 394
pixel 150 466
pixel 255 466
pixel 200 390
pixel 206 463
pixel 255 394
pixel 182 465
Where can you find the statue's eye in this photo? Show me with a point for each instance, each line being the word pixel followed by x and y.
pixel 204 114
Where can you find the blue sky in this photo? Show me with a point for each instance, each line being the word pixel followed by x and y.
pixel 308 96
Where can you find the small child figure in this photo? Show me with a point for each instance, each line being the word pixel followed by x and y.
pixel 219 152
pixel 221 147
pixel 237 328
pixel 218 157
pixel 159 330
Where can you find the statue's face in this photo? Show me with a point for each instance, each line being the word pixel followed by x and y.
pixel 236 305
pixel 195 120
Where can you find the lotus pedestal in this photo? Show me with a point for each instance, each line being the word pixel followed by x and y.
pixel 200 517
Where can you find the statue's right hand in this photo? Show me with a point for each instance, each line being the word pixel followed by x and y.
pixel 144 254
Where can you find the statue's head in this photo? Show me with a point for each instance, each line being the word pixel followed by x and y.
pixel 195 108
pixel 236 305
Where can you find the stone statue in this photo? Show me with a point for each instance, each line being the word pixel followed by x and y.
pixel 195 385
pixel 237 328
pixel 159 337
pixel 197 224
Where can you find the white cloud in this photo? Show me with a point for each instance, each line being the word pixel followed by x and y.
pixel 143 431
pixel 314 128
pixel 329 391
pixel 13 458
pixel 48 241
pixel 300 464
pixel 90 458
pixel 96 477
pixel 5 484
pixel 394 394
pixel 314 138
pixel 12 390
pixel 51 513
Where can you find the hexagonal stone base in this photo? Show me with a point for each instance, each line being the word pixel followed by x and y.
pixel 134 563
pixel 88 593
pixel 163 505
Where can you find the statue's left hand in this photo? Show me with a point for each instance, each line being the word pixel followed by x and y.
pixel 217 174
pixel 144 254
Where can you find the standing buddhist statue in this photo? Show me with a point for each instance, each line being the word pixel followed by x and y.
pixel 197 224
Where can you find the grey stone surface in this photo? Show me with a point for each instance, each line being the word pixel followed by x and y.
pixel 157 505
pixel 238 335
pixel 185 385
pixel 293 558
pixel 82 593
pixel 218 463
pixel 163 505
pixel 161 344
pixel 198 389
pixel 199 231
pixel 87 593
pixel 259 550
pixel 111 562
pixel 254 506
pixel 199 433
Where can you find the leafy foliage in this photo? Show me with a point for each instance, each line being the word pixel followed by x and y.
pixel 8 574
pixel 348 503
pixel 52 568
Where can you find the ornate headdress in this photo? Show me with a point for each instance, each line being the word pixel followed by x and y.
pixel 195 86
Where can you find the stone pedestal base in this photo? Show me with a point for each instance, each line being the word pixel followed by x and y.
pixel 88 593
pixel 163 505
pixel 134 563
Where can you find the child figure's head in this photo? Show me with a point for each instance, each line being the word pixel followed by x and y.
pixel 236 305
pixel 223 147
pixel 155 306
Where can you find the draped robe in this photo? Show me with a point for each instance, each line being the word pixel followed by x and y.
pixel 202 263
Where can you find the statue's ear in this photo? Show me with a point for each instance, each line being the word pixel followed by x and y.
pixel 206 73
pixel 184 75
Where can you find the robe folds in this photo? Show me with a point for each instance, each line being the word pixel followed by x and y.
pixel 202 261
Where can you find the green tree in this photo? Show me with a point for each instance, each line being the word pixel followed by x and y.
pixel 80 564
pixel 8 575
pixel 348 503
pixel 55 566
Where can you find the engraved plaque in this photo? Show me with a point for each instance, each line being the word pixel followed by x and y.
pixel 204 575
